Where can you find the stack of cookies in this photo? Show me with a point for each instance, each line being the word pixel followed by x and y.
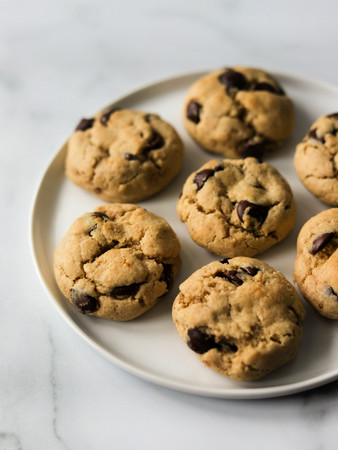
pixel 241 317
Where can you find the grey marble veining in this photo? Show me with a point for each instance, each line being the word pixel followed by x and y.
pixel 58 62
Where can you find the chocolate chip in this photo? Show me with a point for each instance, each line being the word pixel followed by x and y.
pixel 313 135
pixel 233 79
pixel 167 275
pixel 130 157
pixel 154 143
pixel 201 177
pixel 224 261
pixel 83 302
pixel 84 124
pixel 267 87
pixel 122 292
pixel 98 190
pixel 98 215
pixel 101 215
pixel 251 270
pixel 320 242
pixel 229 345
pixel 258 212
pixel 105 117
pixel 231 276
pixel 330 291
pixel 193 112
pixel 200 342
pixel 332 116
pixel 255 149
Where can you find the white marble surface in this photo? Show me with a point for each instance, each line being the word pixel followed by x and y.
pixel 58 62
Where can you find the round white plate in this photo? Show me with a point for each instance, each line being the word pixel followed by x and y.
pixel 149 347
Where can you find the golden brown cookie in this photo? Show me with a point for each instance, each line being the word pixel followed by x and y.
pixel 117 261
pixel 123 155
pixel 237 207
pixel 238 112
pixel 316 264
pixel 241 317
pixel 316 159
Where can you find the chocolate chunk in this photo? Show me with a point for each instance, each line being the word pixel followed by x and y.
pixel 130 157
pixel 193 112
pixel 200 342
pixel 233 79
pixel 313 135
pixel 332 116
pixel 85 303
pixel 231 276
pixel 167 275
pixel 105 117
pixel 224 261
pixel 320 242
pixel 251 270
pixel 267 87
pixel 331 291
pixel 84 124
pixel 258 212
pixel 154 143
pixel 122 292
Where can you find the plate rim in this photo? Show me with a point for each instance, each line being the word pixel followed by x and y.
pixel 237 393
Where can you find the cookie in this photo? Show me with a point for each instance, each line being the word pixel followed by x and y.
pixel 316 159
pixel 237 207
pixel 117 261
pixel 241 317
pixel 316 263
pixel 123 155
pixel 238 112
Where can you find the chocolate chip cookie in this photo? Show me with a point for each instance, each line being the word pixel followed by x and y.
pixel 117 261
pixel 123 155
pixel 238 112
pixel 237 207
pixel 316 264
pixel 241 317
pixel 316 159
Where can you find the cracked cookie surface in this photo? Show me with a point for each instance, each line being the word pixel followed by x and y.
pixel 316 264
pixel 117 261
pixel 241 317
pixel 316 159
pixel 238 112
pixel 123 155
pixel 237 207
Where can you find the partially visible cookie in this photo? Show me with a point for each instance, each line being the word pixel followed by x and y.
pixel 123 155
pixel 241 317
pixel 316 264
pixel 117 261
pixel 238 112
pixel 237 207
pixel 316 159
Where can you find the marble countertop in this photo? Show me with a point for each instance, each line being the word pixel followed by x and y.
pixel 60 61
